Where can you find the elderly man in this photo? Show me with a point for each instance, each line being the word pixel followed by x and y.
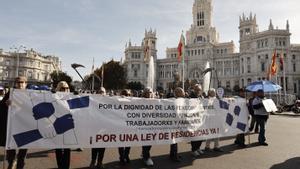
pixel 196 93
pixel 261 116
pixel 20 83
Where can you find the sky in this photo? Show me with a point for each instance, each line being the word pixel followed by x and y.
pixel 79 30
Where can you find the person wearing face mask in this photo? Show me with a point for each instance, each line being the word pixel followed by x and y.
pixel 20 83
pixel 261 116
pixel 98 153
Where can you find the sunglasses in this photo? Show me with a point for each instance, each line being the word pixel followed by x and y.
pixel 64 88
pixel 20 82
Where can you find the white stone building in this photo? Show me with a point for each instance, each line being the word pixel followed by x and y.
pixel 232 68
pixel 36 67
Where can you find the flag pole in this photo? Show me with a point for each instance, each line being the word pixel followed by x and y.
pixel 93 82
pixel 284 80
pixel 183 53
pixel 279 79
pixel 183 70
pixel 102 75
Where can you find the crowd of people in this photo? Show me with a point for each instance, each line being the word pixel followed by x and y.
pixel 257 111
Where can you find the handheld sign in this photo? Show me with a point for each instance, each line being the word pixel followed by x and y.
pixel 269 105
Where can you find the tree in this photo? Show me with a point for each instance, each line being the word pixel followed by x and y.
pixel 89 80
pixel 135 86
pixel 114 75
pixel 58 76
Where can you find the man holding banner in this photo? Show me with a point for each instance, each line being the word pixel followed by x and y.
pixel 20 83
pixel 196 93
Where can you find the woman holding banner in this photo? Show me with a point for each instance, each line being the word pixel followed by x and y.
pixel 63 155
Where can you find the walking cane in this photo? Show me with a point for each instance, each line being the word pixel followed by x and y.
pixel 249 142
pixel 4 157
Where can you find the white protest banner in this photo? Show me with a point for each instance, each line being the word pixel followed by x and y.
pixel 41 119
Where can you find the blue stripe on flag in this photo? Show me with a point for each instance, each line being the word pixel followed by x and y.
pixel 81 102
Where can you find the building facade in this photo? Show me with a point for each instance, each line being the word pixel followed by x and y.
pixel 232 69
pixel 31 64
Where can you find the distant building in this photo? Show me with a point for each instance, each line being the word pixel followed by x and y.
pixel 33 65
pixel 202 45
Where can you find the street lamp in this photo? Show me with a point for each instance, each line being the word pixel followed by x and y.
pixel 17 50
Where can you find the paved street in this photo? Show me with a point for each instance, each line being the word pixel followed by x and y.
pixel 283 152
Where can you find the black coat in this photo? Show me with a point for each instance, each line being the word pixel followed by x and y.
pixel 3 119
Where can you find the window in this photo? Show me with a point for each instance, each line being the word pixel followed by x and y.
pixel 294 57
pixel 21 73
pixel 247 31
pixel 263 68
pixel 29 75
pixel 200 19
pixel 153 43
pixel 267 56
pixel 295 87
pixel 135 73
pixel 249 80
pixel 249 68
pixel 248 60
pixel 199 38
pixel 7 62
pixel 294 67
pixel 228 84
pixel 266 42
